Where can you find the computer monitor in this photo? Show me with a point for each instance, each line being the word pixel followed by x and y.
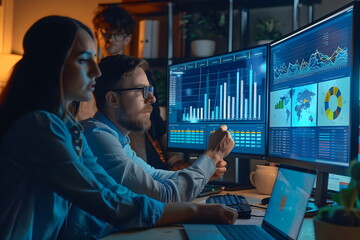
pixel 314 94
pixel 226 89
pixel 338 182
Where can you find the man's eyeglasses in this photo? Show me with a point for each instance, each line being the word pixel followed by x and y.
pixel 118 36
pixel 146 90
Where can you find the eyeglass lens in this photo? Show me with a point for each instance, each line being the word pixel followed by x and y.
pixel 118 36
pixel 146 91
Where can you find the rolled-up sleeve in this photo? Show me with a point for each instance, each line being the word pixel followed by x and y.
pixel 131 171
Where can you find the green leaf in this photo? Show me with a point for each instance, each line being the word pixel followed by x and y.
pixel 355 171
pixel 349 197
pixel 353 197
pixel 267 29
pixel 204 25
pixel 337 198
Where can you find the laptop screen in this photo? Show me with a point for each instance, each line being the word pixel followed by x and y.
pixel 289 200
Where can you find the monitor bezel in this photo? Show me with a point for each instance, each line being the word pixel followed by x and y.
pixel 266 90
pixel 354 94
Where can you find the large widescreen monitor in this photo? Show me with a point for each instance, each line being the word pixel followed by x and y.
pixel 314 94
pixel 225 89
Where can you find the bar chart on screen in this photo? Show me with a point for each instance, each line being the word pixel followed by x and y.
pixel 235 97
pixel 223 94
pixel 226 89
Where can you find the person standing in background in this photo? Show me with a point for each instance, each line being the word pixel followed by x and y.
pixel 114 28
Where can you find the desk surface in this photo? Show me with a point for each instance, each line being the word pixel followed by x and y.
pixel 176 232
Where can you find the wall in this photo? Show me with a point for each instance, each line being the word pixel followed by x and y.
pixel 1 27
pixel 7 60
pixel 27 12
pixel 6 23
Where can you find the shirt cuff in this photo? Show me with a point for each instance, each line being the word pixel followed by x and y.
pixel 153 210
pixel 207 165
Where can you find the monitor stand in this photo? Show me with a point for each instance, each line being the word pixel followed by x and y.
pixel 241 176
pixel 320 195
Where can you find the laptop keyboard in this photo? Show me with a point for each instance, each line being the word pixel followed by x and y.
pixel 237 202
pixel 243 232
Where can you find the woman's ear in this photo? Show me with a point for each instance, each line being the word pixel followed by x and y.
pixel 112 99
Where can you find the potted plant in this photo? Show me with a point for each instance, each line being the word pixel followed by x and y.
pixel 202 29
pixel 159 79
pixel 267 30
pixel 341 221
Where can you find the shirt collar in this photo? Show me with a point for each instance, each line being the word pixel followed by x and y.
pixel 102 118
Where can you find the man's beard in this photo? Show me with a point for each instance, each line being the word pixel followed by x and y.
pixel 134 125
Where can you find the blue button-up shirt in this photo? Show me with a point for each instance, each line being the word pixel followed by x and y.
pixel 43 168
pixel 115 155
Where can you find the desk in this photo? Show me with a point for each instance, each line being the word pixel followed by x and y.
pixel 176 232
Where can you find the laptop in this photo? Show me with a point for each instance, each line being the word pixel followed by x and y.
pixel 283 217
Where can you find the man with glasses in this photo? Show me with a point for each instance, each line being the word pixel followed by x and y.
pixel 124 96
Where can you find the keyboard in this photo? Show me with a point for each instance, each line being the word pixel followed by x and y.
pixel 236 232
pixel 237 202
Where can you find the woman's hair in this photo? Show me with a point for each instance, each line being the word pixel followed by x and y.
pixel 114 69
pixel 36 82
pixel 113 18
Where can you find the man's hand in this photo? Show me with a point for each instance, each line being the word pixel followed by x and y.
pixel 220 144
pixel 220 170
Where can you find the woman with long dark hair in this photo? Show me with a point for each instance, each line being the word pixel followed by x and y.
pixel 45 162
